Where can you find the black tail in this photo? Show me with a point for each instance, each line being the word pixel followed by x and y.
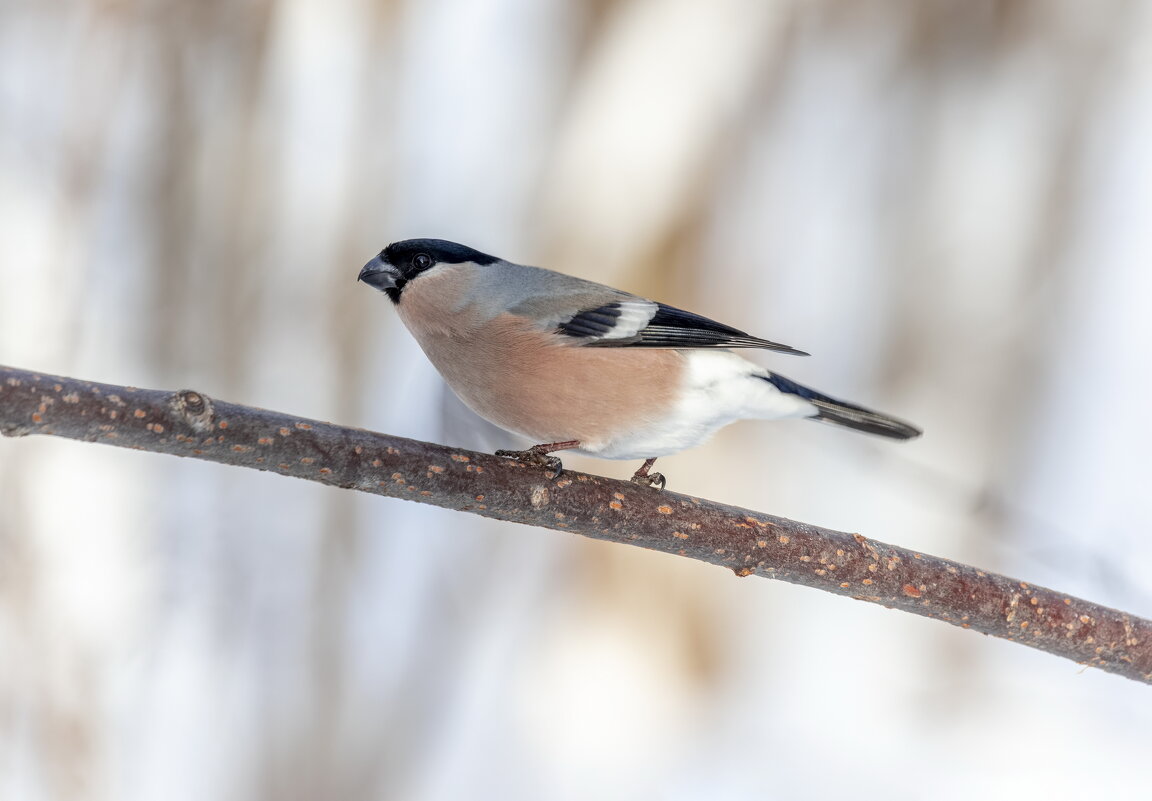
pixel 845 414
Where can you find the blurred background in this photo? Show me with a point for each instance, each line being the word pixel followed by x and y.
pixel 948 202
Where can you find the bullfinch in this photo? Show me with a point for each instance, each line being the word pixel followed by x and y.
pixel 576 365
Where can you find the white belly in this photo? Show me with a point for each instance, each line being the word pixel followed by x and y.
pixel 718 388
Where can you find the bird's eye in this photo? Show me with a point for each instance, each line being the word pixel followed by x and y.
pixel 422 261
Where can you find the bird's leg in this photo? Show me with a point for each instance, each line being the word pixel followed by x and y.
pixel 642 476
pixel 537 455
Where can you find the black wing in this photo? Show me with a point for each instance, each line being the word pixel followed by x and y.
pixel 646 324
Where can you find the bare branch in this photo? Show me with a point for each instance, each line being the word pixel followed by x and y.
pixel 188 423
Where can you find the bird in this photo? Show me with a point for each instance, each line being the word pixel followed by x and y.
pixel 575 365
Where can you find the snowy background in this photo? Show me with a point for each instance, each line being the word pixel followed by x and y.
pixel 949 203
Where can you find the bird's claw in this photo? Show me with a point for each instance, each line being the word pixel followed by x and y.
pixel 536 458
pixel 655 480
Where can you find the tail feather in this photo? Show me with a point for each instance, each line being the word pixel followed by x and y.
pixel 842 413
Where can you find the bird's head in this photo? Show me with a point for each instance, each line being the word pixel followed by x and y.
pixel 406 261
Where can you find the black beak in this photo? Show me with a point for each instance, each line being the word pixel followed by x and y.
pixel 380 274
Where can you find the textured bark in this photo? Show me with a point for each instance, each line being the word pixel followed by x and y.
pixel 189 423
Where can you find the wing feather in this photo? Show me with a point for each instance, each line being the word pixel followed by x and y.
pixel 638 323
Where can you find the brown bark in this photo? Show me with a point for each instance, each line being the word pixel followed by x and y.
pixel 189 423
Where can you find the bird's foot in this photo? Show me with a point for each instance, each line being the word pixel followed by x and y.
pixel 538 456
pixel 651 480
pixel 647 479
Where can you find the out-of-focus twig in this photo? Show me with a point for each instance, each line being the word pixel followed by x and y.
pixel 189 423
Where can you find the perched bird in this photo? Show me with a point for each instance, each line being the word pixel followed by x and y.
pixel 576 365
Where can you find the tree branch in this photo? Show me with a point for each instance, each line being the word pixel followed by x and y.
pixel 189 423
